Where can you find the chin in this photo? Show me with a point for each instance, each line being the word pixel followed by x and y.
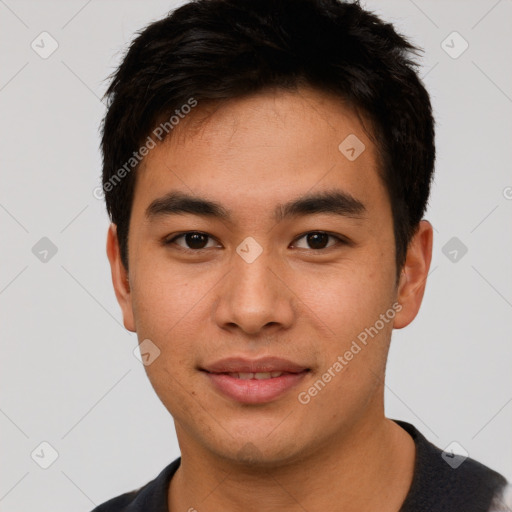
pixel 260 451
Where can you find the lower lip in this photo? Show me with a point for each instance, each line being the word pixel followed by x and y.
pixel 254 391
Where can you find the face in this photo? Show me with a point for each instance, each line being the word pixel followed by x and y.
pixel 293 257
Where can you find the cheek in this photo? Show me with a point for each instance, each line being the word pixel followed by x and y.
pixel 166 316
pixel 346 299
pixel 176 390
pixel 346 305
pixel 162 298
pixel 166 312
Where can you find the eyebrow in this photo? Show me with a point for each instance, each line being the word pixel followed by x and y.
pixel 335 202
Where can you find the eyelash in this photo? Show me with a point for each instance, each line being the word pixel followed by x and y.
pixel 340 241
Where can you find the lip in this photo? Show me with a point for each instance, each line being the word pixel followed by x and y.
pixel 254 391
pixel 264 364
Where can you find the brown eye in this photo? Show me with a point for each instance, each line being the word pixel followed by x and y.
pixel 318 240
pixel 194 240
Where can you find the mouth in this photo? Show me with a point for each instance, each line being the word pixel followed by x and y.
pixel 255 387
pixel 262 365
pixel 256 376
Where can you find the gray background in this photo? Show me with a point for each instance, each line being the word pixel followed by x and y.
pixel 68 373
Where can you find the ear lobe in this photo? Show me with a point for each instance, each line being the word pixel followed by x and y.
pixel 413 278
pixel 120 278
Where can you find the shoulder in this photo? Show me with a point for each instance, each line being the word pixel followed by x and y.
pixel 152 496
pixel 445 481
pixel 502 502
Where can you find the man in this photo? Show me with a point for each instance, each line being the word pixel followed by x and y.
pixel 267 164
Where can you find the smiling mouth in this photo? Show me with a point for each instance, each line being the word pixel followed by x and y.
pixel 257 375
pixel 255 387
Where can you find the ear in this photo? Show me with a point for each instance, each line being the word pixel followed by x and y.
pixel 413 279
pixel 120 278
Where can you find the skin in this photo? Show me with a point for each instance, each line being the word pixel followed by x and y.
pixel 293 301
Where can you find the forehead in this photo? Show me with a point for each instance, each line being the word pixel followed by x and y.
pixel 263 150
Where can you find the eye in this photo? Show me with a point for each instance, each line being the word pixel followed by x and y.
pixel 195 240
pixel 318 240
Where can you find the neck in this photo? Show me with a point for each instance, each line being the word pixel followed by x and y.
pixel 369 468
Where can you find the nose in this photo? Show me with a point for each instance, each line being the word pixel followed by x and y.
pixel 254 297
